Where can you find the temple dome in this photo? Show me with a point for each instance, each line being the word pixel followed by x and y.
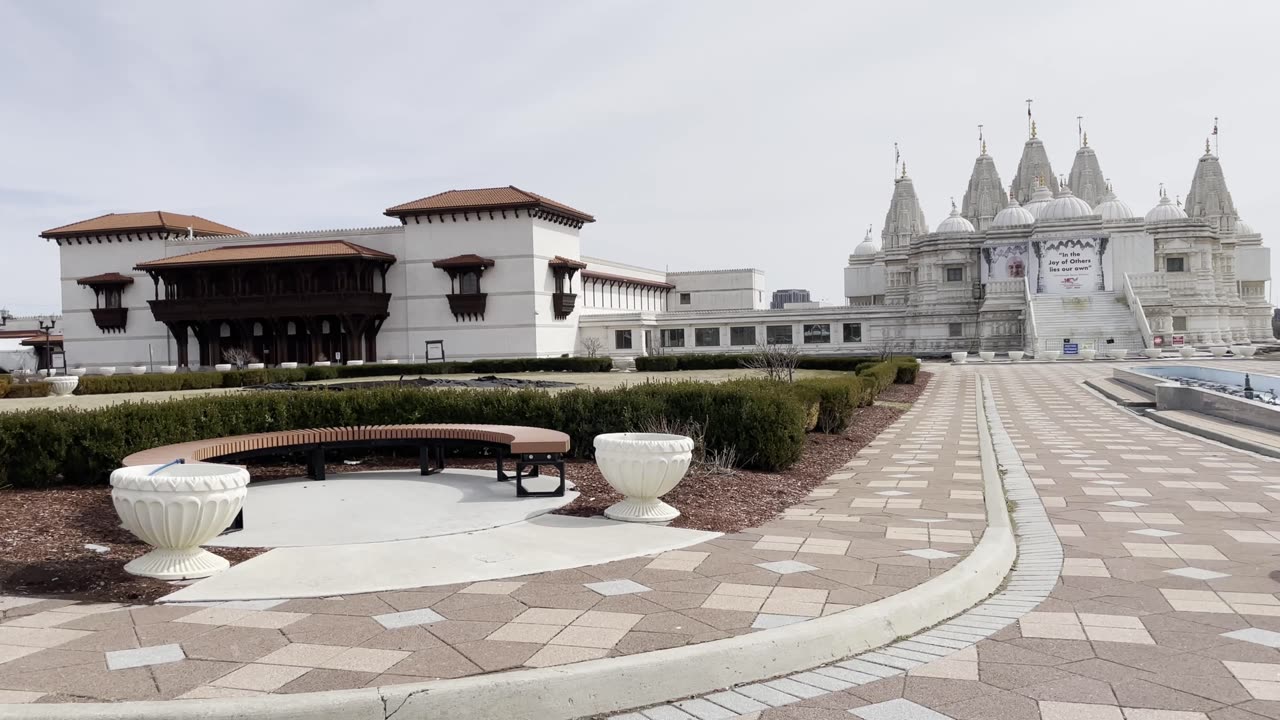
pixel 868 246
pixel 1065 207
pixel 1012 215
pixel 1039 200
pixel 954 223
pixel 1165 210
pixel 1113 208
pixel 1244 228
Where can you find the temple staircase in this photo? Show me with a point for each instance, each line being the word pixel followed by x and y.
pixel 1090 319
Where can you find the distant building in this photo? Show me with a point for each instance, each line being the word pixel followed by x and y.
pixel 793 295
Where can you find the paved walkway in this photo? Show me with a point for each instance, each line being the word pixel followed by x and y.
pixel 1166 608
pixel 906 509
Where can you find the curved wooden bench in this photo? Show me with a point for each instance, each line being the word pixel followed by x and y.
pixel 530 447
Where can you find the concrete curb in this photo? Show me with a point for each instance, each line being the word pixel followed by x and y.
pixel 616 684
pixel 1208 434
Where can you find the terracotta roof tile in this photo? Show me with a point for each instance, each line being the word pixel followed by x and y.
pixel 559 261
pixel 498 198
pixel 151 221
pixel 111 278
pixel 463 261
pixel 609 277
pixel 39 339
pixel 319 250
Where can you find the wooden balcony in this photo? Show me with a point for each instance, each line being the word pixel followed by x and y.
pixel 111 319
pixel 269 306
pixel 562 304
pixel 469 306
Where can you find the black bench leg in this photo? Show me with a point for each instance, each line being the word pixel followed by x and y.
pixel 424 460
pixel 502 472
pixel 316 471
pixel 236 524
pixel 520 477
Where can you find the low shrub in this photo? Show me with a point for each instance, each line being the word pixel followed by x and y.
pixel 27 390
pixel 908 369
pixel 838 398
pixel 5 382
pixel 764 426
pixel 882 375
pixel 823 362
pixel 657 363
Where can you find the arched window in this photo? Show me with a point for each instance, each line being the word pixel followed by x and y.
pixel 469 283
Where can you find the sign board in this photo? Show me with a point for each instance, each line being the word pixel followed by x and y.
pixel 1064 266
pixel 1179 340
pixel 1070 348
pixel 1158 340
pixel 435 350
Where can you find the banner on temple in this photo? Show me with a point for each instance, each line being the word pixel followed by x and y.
pixel 1069 265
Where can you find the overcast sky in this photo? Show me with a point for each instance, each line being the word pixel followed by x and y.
pixel 700 134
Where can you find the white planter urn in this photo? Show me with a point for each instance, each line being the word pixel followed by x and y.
pixel 107 371
pixel 168 369
pixel 1087 355
pixel 289 366
pixel 1219 351
pixel 63 385
pixel 322 363
pixel 175 509
pixel 987 355
pixel 355 362
pixel 1051 355
pixel 1016 355
pixel 256 366
pixel 391 361
pixel 222 367
pixel 1187 351
pixel 78 372
pixel 959 357
pixel 1244 350
pixel 1151 352
pixel 138 370
pixel 643 467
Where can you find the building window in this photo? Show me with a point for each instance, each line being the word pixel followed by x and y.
pixel 1175 264
pixel 622 339
pixel 955 274
pixel 817 333
pixel 706 337
pixel 1179 323
pixel 111 298
pixel 673 337
pixel 685 298
pixel 745 335
pixel 469 283
pixel 955 330
pixel 777 334
pixel 853 332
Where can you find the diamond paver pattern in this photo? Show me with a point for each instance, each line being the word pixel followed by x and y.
pixel 905 509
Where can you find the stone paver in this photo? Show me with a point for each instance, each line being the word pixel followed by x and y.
pixel 1165 608
pixel 905 509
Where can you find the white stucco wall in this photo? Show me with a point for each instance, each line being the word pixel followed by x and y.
pixel 1253 263
pixel 739 289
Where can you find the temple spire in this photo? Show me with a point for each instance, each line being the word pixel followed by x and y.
pixel 1086 179
pixel 984 196
pixel 1033 164
pixel 904 221
pixel 1209 197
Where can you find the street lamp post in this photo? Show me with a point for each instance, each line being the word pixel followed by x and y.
pixel 46 326
pixel 4 316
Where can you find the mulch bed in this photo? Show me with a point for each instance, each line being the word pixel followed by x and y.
pixel 43 533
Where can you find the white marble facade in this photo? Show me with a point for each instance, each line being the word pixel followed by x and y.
pixel 1050 261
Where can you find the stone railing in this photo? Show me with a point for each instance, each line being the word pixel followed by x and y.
pixel 1135 309
pixel 1181 285
pixel 1032 340
pixel 1006 287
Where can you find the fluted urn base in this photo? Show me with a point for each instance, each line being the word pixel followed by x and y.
pixel 647 510
pixel 185 564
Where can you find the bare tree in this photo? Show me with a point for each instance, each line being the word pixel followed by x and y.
pixel 238 357
pixel 592 346
pixel 777 362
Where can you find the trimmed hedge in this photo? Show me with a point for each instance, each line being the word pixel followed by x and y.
pixel 104 385
pixel 765 425
pixel 5 382
pixel 763 421
pixel 36 388
pixel 729 361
